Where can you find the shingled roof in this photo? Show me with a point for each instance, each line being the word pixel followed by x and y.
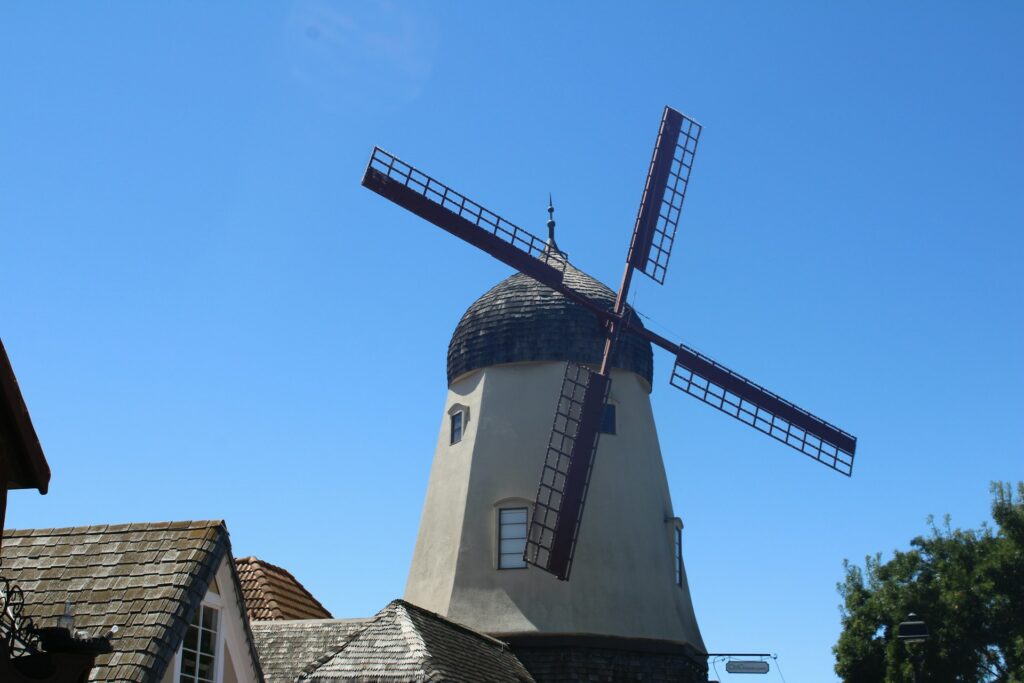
pixel 146 579
pixel 404 642
pixel 287 648
pixel 271 592
pixel 522 320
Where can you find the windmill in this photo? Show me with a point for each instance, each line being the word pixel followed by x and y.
pixel 565 476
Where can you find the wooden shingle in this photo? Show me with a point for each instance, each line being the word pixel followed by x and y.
pixel 522 320
pixel 407 643
pixel 287 648
pixel 146 579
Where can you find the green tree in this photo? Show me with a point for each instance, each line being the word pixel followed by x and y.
pixel 968 585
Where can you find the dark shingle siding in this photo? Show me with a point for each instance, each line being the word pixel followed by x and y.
pixel 588 664
pixel 522 320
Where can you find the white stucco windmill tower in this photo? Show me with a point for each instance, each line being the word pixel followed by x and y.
pixel 496 549
pixel 506 362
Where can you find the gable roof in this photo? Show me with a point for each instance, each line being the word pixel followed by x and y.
pixel 20 451
pixel 287 648
pixel 146 579
pixel 404 642
pixel 271 592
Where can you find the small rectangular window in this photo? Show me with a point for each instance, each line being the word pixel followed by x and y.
pixel 511 538
pixel 679 556
pixel 456 431
pixel 608 419
pixel 199 651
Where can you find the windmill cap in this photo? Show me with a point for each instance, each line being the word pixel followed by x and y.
pixel 521 320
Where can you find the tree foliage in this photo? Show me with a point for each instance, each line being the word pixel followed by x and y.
pixel 968 585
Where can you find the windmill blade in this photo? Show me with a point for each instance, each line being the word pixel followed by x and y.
pixel 662 201
pixel 733 394
pixel 565 478
pixel 414 190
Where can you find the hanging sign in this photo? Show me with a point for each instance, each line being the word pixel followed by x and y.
pixel 746 667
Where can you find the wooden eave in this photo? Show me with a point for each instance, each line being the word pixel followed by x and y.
pixel 21 455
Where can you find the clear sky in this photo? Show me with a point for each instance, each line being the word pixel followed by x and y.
pixel 210 318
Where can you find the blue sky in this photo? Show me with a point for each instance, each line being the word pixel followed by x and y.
pixel 210 318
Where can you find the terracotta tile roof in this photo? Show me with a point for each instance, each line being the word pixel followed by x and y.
pixel 273 593
pixel 286 648
pixel 146 579
pixel 404 642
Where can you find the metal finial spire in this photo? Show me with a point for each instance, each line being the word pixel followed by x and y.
pixel 551 224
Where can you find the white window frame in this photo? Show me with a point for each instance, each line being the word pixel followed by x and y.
pixel 456 418
pixel 509 505
pixel 457 409
pixel 214 601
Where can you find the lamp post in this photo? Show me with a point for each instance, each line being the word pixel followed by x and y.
pixel 913 631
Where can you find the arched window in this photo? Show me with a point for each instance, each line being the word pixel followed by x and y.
pixel 458 416
pixel 512 523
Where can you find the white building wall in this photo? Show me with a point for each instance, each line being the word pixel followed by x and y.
pixel 235 663
pixel 622 579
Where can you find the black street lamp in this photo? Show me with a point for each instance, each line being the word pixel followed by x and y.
pixel 913 631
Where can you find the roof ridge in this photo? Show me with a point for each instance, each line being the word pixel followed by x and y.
pixel 103 528
pixel 411 633
pixel 265 563
pixel 404 641
pixel 333 652
pixel 490 640
pixel 201 580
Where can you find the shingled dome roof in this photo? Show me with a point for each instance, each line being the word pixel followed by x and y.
pixel 522 320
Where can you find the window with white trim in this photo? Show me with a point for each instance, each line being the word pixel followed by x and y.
pixel 458 418
pixel 456 427
pixel 511 538
pixel 200 649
